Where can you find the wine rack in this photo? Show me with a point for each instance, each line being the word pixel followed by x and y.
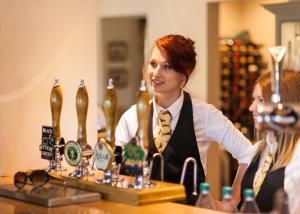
pixel 241 65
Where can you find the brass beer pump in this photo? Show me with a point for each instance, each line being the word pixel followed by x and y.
pixel 56 100
pixel 78 153
pixel 103 152
pixel 110 110
pixel 277 115
pixel 143 111
pixel 143 114
pixel 82 102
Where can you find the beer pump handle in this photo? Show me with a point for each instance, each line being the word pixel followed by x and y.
pixel 110 110
pixel 143 111
pixel 82 101
pixel 56 100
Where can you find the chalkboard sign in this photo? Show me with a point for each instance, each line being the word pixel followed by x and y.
pixel 48 142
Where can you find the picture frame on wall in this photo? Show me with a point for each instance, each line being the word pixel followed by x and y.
pixel 119 76
pixel 117 51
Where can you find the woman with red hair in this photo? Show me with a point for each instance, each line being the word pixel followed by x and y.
pixel 194 125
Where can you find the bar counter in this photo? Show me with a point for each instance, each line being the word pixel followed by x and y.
pixel 9 206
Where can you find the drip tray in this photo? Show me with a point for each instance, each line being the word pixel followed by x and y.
pixel 50 195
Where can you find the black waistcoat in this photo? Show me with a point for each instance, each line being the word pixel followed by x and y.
pixel 181 145
pixel 273 181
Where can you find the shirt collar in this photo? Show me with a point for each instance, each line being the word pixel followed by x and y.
pixel 271 143
pixel 174 109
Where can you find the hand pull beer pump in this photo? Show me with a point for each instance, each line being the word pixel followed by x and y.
pixel 56 100
pixel 78 153
pixel 107 156
pixel 143 111
pixel 278 115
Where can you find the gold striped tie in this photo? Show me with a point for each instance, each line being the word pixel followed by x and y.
pixel 260 179
pixel 164 130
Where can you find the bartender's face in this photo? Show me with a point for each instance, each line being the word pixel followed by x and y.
pixel 257 98
pixel 164 79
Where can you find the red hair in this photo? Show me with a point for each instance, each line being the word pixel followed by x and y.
pixel 180 53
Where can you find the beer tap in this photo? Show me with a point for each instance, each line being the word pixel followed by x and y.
pixel 78 153
pixel 277 54
pixel 82 101
pixel 103 153
pixel 278 115
pixel 186 162
pixel 162 168
pixel 143 111
pixel 110 110
pixel 56 100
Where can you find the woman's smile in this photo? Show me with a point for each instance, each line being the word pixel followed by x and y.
pixel 157 83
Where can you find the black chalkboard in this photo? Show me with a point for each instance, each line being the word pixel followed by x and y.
pixel 48 142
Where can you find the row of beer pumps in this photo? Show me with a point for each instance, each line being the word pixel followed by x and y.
pixel 77 153
pixel 105 156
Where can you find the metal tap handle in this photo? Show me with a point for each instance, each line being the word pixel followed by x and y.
pixel 82 101
pixel 143 110
pixel 162 167
pixel 110 109
pixel 279 117
pixel 277 54
pixel 56 100
pixel 190 159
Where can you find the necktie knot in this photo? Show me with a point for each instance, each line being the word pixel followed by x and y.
pixel 164 117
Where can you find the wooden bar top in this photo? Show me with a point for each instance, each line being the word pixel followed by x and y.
pixel 9 206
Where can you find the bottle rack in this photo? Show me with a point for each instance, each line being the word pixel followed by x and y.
pixel 241 65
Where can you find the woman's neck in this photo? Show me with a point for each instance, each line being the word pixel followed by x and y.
pixel 166 100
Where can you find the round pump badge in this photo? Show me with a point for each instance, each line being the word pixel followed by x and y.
pixel 72 153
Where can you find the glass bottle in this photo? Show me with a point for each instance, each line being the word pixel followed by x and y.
pixel 226 205
pixel 249 205
pixel 204 199
pixel 280 204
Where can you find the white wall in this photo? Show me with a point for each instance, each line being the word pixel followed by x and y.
pixel 40 41
pixel 230 18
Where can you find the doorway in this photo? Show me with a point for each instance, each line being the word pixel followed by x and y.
pixel 122 56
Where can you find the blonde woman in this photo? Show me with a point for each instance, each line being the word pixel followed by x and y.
pixel 266 173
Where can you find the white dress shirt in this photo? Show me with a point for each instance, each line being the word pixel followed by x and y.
pixel 291 173
pixel 209 123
